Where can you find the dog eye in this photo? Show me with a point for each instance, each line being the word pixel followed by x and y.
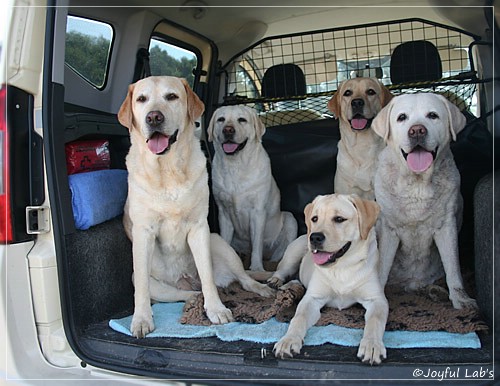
pixel 371 91
pixel 432 115
pixel 348 93
pixel 314 219
pixel 242 120
pixel 339 219
pixel 221 119
pixel 171 97
pixel 402 117
pixel 141 98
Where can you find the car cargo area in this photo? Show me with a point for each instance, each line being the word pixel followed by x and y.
pixel 95 264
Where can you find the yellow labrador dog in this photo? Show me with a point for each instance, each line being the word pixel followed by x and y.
pixel 355 104
pixel 339 269
pixel 417 185
pixel 245 191
pixel 174 255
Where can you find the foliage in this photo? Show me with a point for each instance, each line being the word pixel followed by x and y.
pixel 162 63
pixel 88 56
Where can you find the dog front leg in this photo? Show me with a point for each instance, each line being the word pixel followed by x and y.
pixel 371 348
pixel 307 314
pixel 199 243
pixel 290 262
pixel 226 225
pixel 257 228
pixel 388 242
pixel 142 251
pixel 446 240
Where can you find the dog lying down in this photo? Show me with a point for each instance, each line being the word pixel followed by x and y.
pixel 245 191
pixel 165 216
pixel 417 185
pixel 339 269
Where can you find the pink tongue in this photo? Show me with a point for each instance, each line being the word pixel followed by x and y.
pixel 359 123
pixel 158 143
pixel 419 160
pixel 230 147
pixel 321 258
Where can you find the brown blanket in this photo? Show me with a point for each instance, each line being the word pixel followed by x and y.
pixel 428 310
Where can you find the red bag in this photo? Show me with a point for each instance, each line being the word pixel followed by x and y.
pixel 86 156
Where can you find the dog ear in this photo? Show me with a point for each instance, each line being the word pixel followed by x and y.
pixel 195 106
pixel 211 126
pixel 385 96
pixel 125 116
pixel 381 124
pixel 260 128
pixel 334 103
pixel 367 214
pixel 456 119
pixel 307 214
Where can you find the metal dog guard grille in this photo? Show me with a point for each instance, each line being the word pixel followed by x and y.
pixel 328 57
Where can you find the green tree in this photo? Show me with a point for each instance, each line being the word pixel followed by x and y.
pixel 88 56
pixel 162 63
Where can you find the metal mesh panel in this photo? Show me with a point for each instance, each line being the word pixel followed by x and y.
pixel 329 57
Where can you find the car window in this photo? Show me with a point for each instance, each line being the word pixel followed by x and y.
pixel 88 48
pixel 172 60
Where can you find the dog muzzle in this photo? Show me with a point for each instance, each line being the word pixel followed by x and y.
pixel 419 159
pixel 160 143
pixel 231 148
pixel 323 258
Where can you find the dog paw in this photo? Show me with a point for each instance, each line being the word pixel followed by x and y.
pixel 460 299
pixel 264 290
pixel 274 282
pixel 371 351
pixel 287 347
pixel 141 325
pixel 257 267
pixel 219 315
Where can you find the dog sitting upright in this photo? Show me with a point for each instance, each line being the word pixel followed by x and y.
pixel 165 216
pixel 356 102
pixel 248 199
pixel 417 185
pixel 339 269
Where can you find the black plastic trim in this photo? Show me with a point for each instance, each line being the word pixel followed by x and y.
pixel 26 160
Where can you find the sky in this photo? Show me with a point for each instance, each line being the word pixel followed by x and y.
pixel 3 20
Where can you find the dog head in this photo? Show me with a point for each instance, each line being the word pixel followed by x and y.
pixel 358 101
pixel 159 109
pixel 336 223
pixel 418 127
pixel 232 127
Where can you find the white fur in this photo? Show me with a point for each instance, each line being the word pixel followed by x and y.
pixel 352 278
pixel 245 191
pixel 174 254
pixel 420 212
pixel 358 150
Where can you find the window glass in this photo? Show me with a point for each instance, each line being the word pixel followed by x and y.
pixel 88 46
pixel 168 59
pixel 245 85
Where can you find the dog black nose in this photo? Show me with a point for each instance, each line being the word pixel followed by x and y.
pixel 154 118
pixel 228 130
pixel 317 238
pixel 357 103
pixel 417 132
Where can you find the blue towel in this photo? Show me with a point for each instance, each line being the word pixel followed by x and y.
pixel 97 196
pixel 167 315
